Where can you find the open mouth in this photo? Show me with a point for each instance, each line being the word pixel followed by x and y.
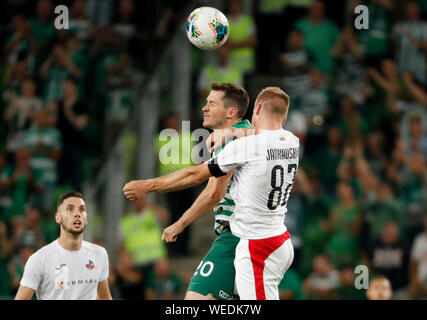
pixel 77 223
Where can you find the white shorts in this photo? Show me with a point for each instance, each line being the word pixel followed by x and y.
pixel 260 266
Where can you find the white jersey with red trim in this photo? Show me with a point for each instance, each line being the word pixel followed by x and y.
pixel 264 166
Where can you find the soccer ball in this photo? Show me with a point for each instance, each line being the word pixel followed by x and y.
pixel 207 28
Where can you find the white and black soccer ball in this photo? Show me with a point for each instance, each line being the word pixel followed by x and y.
pixel 207 28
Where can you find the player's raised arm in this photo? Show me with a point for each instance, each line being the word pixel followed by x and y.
pixel 178 180
pixel 205 202
pixel 24 293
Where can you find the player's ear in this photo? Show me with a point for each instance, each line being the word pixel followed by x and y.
pixel 232 112
pixel 258 109
pixel 284 120
pixel 58 218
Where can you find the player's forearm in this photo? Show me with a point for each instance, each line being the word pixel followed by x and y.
pixel 178 180
pixel 204 203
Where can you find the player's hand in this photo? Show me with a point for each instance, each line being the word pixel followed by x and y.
pixel 171 233
pixel 217 138
pixel 136 189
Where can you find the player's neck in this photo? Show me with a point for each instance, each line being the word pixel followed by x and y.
pixel 70 242
pixel 230 123
pixel 267 124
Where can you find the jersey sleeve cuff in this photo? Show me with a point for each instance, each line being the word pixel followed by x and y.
pixel 28 285
pixel 214 169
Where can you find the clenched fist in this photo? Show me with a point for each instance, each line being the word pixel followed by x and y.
pixel 171 233
pixel 137 188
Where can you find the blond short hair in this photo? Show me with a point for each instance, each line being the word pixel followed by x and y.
pixel 274 100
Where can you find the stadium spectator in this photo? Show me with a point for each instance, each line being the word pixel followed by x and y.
pixel 20 112
pixel 355 170
pixel 43 31
pixel 375 154
pixel 376 40
pixel 178 201
pixel 141 235
pixel 129 280
pixel 7 248
pixel 347 289
pixel 125 22
pixel 44 143
pixel 220 71
pixel 344 223
pixel 323 282
pixel 162 282
pixel 5 199
pixel 409 165
pixel 296 68
pixel 71 121
pixel 120 82
pixel 54 71
pixel 242 38
pixel 418 266
pixel 17 263
pixel 79 23
pixel 390 257
pixel 15 73
pixel 320 34
pixel 290 288
pixel 410 36
pixel 328 158
pixel 19 179
pixel 353 126
pixel 384 207
pixel 21 42
pixel 349 73
pixel 27 229
pixel 379 288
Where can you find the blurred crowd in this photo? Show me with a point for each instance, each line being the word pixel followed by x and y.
pixel 65 95
pixel 358 105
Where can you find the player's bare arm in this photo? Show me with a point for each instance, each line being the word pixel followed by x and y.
pixel 220 136
pixel 104 291
pixel 24 293
pixel 205 202
pixel 178 180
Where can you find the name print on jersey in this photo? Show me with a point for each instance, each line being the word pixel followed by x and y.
pixel 283 153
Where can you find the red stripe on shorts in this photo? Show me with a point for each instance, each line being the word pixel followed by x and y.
pixel 259 250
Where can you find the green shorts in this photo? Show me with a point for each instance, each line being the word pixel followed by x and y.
pixel 215 273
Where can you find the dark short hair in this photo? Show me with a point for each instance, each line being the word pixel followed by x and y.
pixel 70 194
pixel 234 95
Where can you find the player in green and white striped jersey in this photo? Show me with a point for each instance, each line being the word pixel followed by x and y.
pixel 214 278
pixel 225 207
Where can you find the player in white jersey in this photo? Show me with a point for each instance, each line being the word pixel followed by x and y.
pixel 264 171
pixel 68 268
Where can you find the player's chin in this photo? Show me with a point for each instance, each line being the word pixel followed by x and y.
pixel 207 123
pixel 77 229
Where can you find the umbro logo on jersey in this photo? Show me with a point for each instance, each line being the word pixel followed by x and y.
pixel 90 265
pixel 59 266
